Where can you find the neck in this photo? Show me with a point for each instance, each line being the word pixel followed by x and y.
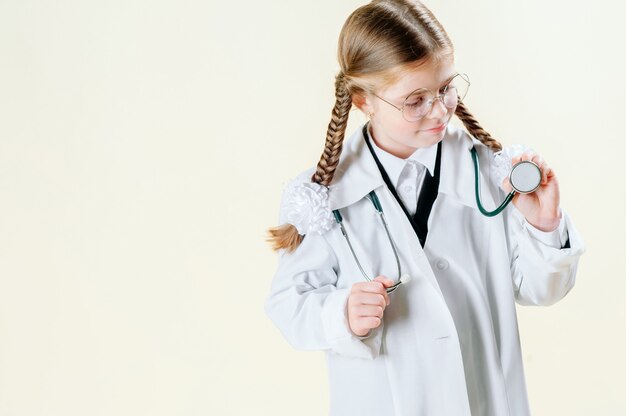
pixel 395 149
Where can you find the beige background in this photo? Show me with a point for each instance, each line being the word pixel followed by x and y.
pixel 143 149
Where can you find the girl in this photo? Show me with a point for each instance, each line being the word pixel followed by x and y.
pixel 386 261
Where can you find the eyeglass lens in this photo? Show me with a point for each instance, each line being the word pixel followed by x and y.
pixel 418 104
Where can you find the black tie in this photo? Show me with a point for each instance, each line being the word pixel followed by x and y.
pixel 427 196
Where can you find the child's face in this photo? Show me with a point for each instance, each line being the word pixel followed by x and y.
pixel 390 130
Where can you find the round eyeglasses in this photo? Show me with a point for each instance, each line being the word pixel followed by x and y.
pixel 419 103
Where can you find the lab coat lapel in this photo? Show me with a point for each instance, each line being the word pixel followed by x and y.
pixel 457 169
pixel 356 176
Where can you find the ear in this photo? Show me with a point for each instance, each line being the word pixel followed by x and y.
pixel 362 102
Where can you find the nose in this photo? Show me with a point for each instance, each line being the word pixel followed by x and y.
pixel 438 109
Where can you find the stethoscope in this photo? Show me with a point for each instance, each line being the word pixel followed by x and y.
pixel 379 209
pixel 525 178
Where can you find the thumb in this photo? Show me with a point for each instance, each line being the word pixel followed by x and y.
pixel 384 280
pixel 506 185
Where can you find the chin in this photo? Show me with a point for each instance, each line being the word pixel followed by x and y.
pixel 428 140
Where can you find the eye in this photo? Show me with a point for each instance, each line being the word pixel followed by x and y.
pixel 447 87
pixel 414 101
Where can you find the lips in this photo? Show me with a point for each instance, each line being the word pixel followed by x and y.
pixel 438 128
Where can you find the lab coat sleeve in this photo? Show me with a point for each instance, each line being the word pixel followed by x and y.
pixel 308 308
pixel 543 272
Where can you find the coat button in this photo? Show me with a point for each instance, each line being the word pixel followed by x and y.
pixel 442 264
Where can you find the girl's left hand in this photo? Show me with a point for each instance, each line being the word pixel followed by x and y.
pixel 540 208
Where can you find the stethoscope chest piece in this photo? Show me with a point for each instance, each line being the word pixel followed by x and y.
pixel 525 177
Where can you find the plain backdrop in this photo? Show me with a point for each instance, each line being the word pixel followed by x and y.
pixel 144 146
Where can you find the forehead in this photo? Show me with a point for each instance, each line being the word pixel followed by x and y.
pixel 430 75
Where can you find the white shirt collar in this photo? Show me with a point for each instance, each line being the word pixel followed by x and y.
pixel 425 156
pixel 356 174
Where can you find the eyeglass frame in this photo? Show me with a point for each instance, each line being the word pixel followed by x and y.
pixel 432 101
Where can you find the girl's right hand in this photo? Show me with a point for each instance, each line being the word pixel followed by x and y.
pixel 366 304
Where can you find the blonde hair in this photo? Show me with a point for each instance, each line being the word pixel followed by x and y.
pixel 376 43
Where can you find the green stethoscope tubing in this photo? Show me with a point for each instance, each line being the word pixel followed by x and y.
pixel 379 209
pixel 506 201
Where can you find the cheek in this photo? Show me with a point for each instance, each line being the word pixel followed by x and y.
pixel 418 127
pixel 404 128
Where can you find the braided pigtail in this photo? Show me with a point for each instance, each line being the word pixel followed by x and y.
pixel 286 236
pixel 475 129
pixel 335 133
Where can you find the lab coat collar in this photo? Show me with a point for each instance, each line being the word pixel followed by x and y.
pixel 357 174
pixel 457 178
pixel 394 166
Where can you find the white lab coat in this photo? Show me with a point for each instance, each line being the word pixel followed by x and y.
pixel 412 364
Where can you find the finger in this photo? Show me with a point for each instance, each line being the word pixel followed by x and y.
pixel 372 287
pixel 384 280
pixel 368 322
pixel 379 282
pixel 369 288
pixel 521 157
pixel 375 299
pixel 543 168
pixel 535 158
pixel 386 283
pixel 506 185
pixel 364 311
pixel 548 171
pixel 376 287
pixel 516 159
pixel 528 155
